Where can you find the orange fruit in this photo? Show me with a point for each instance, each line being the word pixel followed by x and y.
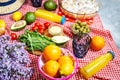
pixel 97 43
pixel 65 60
pixel 51 52
pixel 51 68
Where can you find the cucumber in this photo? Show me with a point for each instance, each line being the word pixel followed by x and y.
pixel 60 39
pixel 18 25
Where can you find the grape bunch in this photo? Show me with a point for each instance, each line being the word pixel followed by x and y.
pixel 81 45
pixel 80 28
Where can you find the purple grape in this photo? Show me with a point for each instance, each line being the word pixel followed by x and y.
pixel 81 45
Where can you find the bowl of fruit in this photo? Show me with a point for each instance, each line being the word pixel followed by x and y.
pixel 57 63
pixel 80 9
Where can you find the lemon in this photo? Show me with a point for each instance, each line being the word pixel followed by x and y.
pixel 2 23
pixel 17 16
pixel 66 69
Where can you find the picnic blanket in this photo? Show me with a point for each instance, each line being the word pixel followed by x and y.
pixel 110 72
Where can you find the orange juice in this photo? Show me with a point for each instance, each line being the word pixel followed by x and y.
pixel 96 65
pixel 50 16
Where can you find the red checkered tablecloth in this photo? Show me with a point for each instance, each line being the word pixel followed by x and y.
pixel 110 72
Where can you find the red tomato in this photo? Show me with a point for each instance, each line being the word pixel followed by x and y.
pixel 37 24
pixel 34 28
pixel 46 24
pixel 41 27
pixel 69 19
pixel 60 13
pixel 13 36
pixel 41 31
pixel 88 21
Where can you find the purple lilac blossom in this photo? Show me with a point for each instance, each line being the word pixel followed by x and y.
pixel 14 60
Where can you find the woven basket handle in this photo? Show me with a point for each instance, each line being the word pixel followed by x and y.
pixel 7 3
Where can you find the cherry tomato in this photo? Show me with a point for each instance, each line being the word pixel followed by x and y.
pixel 37 24
pixel 41 31
pixel 69 19
pixel 41 27
pixel 13 36
pixel 34 28
pixel 60 13
pixel 88 21
pixel 46 24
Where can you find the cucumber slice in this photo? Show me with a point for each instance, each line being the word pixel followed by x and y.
pixel 18 25
pixel 60 39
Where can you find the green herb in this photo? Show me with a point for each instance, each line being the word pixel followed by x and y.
pixel 35 41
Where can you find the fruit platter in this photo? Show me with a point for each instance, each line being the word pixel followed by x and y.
pixel 40 41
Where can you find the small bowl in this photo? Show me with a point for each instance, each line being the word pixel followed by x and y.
pixel 65 52
pixel 78 15
pixel 54 24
